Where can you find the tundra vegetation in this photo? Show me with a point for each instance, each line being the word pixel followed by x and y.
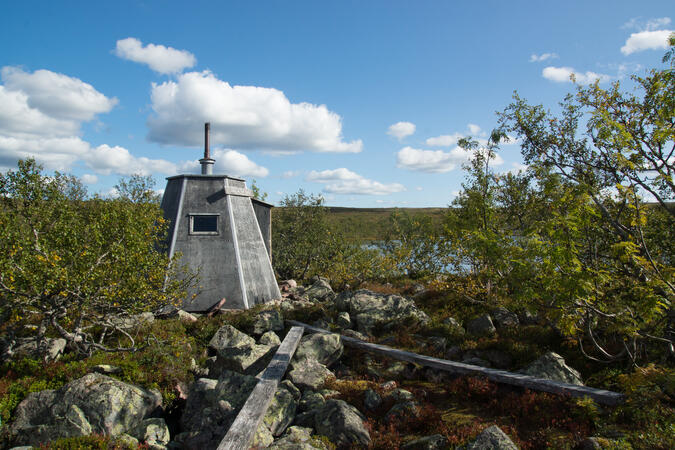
pixel 580 245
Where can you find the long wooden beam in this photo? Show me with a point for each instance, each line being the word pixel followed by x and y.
pixel 498 376
pixel 244 427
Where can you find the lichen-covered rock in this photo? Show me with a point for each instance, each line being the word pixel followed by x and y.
pixel 269 338
pixel 228 337
pixel 552 366
pixel 370 309
pixel 371 400
pixel 248 360
pixel 402 411
pixel 454 325
pixel 52 349
pixel 343 320
pixel 320 290
pixel 492 438
pixel 433 442
pixel 481 326
pixel 263 437
pixel 355 334
pixel 185 316
pixel 269 320
pixel 342 424
pixel 297 438
pixel 311 400
pixel 309 374
pixel 324 348
pixel 94 403
pixel 400 395
pixel 503 318
pixel 281 411
pixel 152 431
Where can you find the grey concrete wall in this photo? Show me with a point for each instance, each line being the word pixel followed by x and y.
pixel 233 264
pixel 263 213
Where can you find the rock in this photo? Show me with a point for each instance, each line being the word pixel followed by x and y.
pixel 228 337
pixel 94 403
pixel 321 323
pixel 492 438
pixel 503 318
pixel 370 309
pixel 152 431
pixel 343 300
pixel 355 334
pixel 499 359
pixel 342 424
pixel 402 411
pixel 309 374
pixel 395 369
pixel 106 369
pixel 269 320
pixel 263 437
pixel 134 321
pixel 433 442
pixel 320 291
pixel 237 351
pixel 417 288
pixel 387 385
pixel 211 407
pixel 297 438
pixel 270 338
pixel 324 348
pixel 481 326
pixel 124 439
pixel 306 419
pixel 454 325
pixel 311 400
pixel 400 395
pixel 53 349
pixel 185 316
pixel 281 411
pixel 552 367
pixel 287 285
pixel 437 344
pixel 343 320
pixel 290 387
pixel 371 400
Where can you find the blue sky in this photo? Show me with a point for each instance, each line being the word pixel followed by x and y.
pixel 359 101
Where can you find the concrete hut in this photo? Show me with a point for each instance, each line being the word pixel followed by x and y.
pixel 223 232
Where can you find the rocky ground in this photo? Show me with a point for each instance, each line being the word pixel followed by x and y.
pixel 329 397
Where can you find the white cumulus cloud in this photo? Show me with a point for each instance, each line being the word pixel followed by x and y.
pixel 237 164
pixel 241 117
pixel 159 58
pixel 646 40
pixel 563 74
pixel 445 140
pixel 344 181
pixel 430 161
pixel 543 57
pixel 401 129
pixel 88 178
pixel 646 25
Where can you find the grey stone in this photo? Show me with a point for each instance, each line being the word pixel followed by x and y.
pixel 552 366
pixel 270 338
pixel 152 431
pixel 94 403
pixel 297 438
pixel 401 411
pixel 228 337
pixel 342 424
pixel 311 400
pixel 503 318
pixel 306 419
pixel 481 326
pixel 106 369
pixel 324 348
pixel 281 411
pixel 53 349
pixel 371 400
pixel 454 325
pixel 342 301
pixel 290 387
pixel 454 352
pixel 185 316
pixel 343 320
pixel 309 374
pixel 263 437
pixel 499 359
pixel 437 344
pixel 133 321
pixel 320 290
pixel 355 334
pixel 321 323
pixel 492 438
pixel 370 309
pixel 400 395
pixel 248 360
pixel 269 320
pixel 433 442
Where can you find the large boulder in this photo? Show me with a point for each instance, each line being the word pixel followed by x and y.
pixel 281 410
pixel 342 424
pixel 503 318
pixel 324 348
pixel 481 326
pixel 270 320
pixel 297 438
pixel 369 309
pixel 153 431
pixel 237 351
pixel 320 291
pixel 492 438
pixel 552 366
pixel 94 403
pixel 51 349
pixel 309 374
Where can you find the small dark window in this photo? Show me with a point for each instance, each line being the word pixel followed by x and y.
pixel 203 224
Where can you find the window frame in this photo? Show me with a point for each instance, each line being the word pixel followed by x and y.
pixel 191 230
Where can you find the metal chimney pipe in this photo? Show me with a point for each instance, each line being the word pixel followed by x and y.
pixel 206 161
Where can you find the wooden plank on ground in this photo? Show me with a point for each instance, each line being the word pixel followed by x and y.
pixel 498 376
pixel 244 427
